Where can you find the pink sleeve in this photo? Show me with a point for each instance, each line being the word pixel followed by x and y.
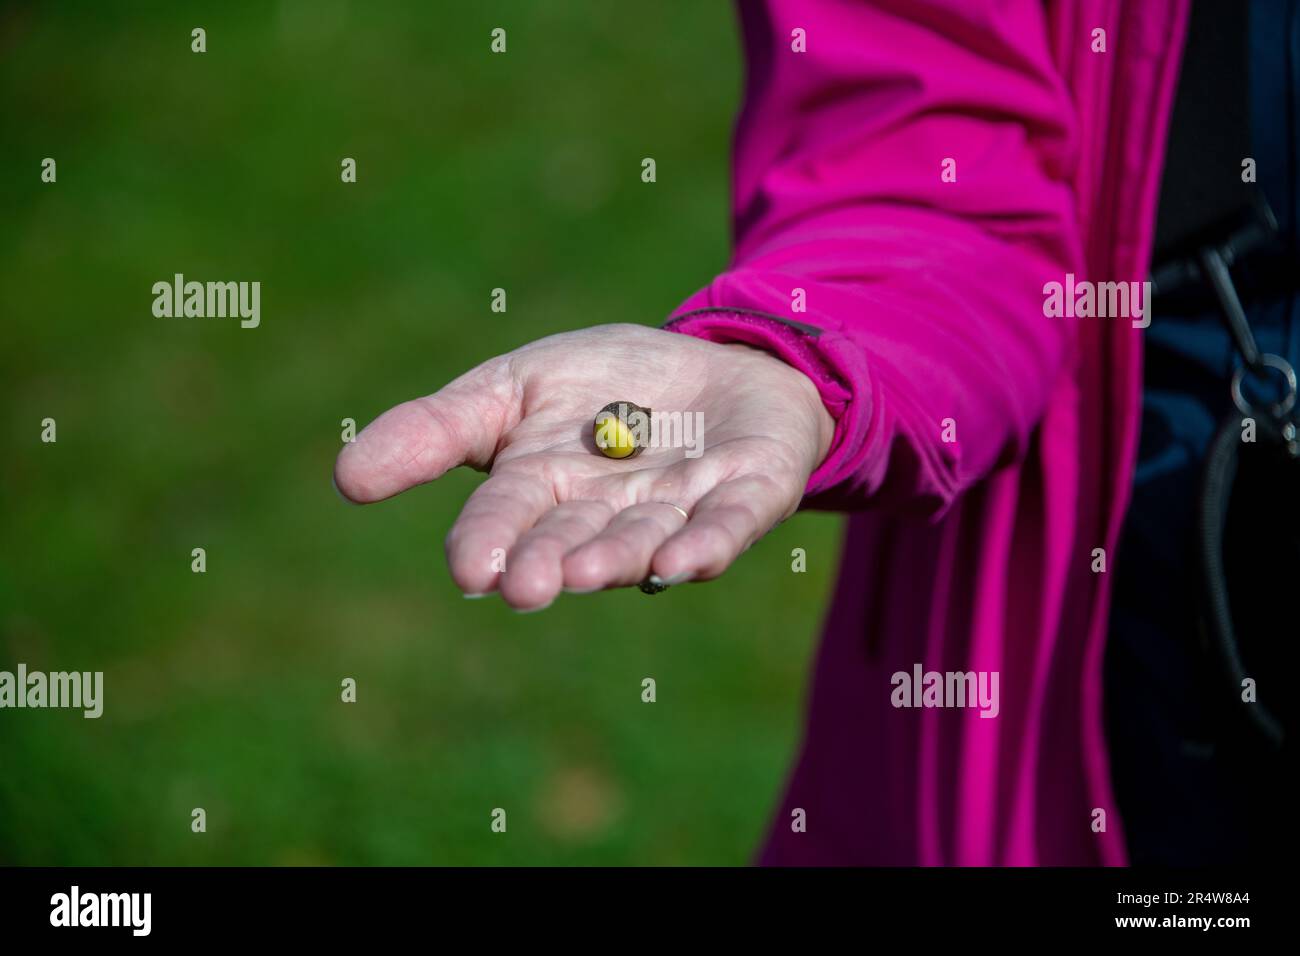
pixel 909 300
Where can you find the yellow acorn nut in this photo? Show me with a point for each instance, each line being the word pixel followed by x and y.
pixel 617 436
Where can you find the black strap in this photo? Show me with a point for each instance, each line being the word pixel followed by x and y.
pixel 1216 495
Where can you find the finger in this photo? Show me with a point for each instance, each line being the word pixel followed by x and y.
pixel 494 517
pixel 534 576
pixel 723 524
pixel 419 440
pixel 620 555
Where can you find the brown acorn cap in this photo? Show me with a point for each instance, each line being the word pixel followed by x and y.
pixel 631 406
pixel 613 409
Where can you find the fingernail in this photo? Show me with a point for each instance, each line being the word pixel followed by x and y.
pixel 343 498
pixel 675 579
pixel 534 610
pixel 475 597
pixel 581 590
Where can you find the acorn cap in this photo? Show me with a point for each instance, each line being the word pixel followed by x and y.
pixel 630 406
pixel 624 443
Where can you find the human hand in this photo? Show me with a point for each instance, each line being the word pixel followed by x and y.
pixel 564 515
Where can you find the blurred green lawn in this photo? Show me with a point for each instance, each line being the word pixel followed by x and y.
pixel 222 689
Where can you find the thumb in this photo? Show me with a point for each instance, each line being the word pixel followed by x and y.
pixel 422 439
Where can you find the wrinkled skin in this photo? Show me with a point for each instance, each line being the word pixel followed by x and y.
pixel 566 516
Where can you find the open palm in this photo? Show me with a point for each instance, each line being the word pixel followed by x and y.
pixel 555 513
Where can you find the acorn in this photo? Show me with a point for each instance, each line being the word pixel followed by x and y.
pixel 619 431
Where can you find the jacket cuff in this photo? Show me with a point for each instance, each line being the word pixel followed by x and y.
pixel 821 354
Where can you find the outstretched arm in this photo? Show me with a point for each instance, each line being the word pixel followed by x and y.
pixel 923 299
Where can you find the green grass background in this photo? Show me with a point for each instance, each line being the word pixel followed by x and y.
pixel 222 689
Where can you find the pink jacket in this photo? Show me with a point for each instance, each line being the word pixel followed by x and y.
pixel 924 314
